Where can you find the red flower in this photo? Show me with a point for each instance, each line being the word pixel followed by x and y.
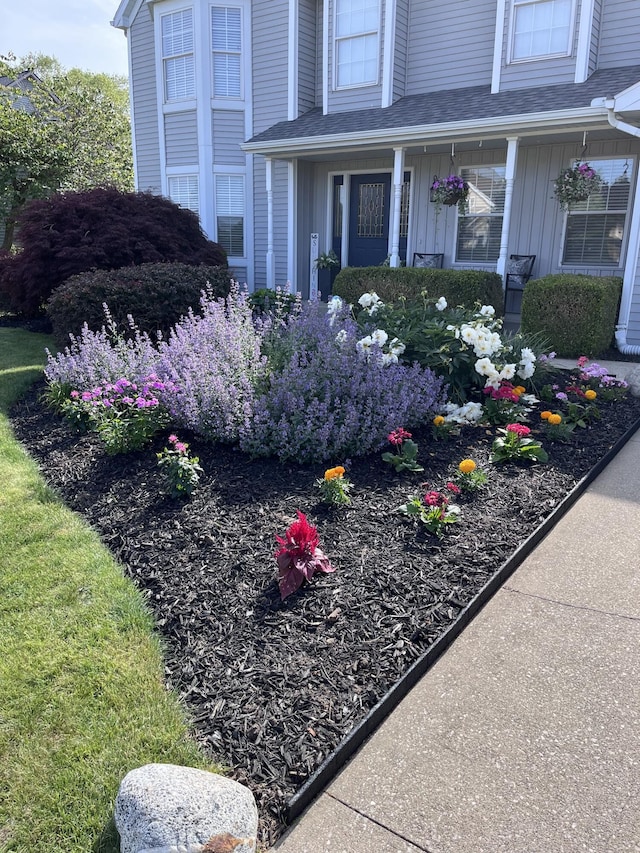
pixel 398 436
pixel 299 557
pixel 455 490
pixel 519 429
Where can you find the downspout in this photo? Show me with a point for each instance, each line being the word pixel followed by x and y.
pixel 633 249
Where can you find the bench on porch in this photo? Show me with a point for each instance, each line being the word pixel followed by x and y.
pixel 517 274
pixel 424 260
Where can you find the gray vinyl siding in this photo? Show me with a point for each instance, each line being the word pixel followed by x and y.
pixel 280 220
pixel 228 134
pixel 538 72
pixel 450 45
pixel 595 36
pixel 307 55
pixel 181 138
pixel 356 97
pixel 633 329
pixel 270 22
pixel 319 49
pixel 400 49
pixel 145 102
pixel 619 34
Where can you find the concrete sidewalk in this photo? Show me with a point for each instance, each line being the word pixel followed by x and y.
pixel 525 735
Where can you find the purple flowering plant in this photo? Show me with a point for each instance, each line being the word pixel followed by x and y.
pixel 576 184
pixel 452 190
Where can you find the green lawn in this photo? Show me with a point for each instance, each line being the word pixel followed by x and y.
pixel 81 693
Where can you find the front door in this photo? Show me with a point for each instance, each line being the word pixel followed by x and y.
pixel 369 219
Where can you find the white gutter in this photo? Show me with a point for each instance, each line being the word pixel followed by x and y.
pixel 541 123
pixel 633 249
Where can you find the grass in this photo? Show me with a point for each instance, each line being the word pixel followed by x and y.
pixel 81 684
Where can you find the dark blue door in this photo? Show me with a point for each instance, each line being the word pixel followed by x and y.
pixel 369 219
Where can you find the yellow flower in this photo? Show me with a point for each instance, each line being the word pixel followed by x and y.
pixel 545 415
pixel 554 419
pixel 519 389
pixel 438 420
pixel 590 394
pixel 334 473
pixel 467 466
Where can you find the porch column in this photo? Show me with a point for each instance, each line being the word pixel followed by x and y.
pixel 512 158
pixel 398 174
pixel 271 266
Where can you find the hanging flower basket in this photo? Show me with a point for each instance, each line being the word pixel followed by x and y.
pixel 451 190
pixel 576 184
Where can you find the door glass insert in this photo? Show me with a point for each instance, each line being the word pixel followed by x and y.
pixel 371 210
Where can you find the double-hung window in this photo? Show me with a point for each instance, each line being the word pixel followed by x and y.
pixel 177 55
pixel 541 28
pixel 230 213
pixel 183 189
pixel 226 45
pixel 595 228
pixel 357 41
pixel 480 227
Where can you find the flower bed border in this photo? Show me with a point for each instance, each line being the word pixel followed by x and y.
pixel 335 762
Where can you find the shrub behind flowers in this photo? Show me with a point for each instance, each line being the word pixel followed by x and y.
pixel 329 400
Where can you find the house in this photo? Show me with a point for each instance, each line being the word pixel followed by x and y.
pixel 298 126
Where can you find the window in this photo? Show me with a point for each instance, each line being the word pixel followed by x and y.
pixel 177 55
pixel 480 228
pixel 595 228
pixel 356 43
pixel 226 33
pixel 230 213
pixel 183 189
pixel 541 28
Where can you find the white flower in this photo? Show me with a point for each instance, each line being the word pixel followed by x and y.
pixel 333 309
pixel 527 354
pixel 379 337
pixel 366 299
pixel 484 366
pixel 374 308
pixel 371 302
pixel 396 347
pixel 487 311
pixel 341 337
pixel 468 334
pixel 454 509
pixel 389 358
pixel 364 345
pixel 527 370
pixel 508 371
pixel 441 304
pixel 493 379
pixel 470 413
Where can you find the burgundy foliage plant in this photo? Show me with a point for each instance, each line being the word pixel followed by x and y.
pixel 299 556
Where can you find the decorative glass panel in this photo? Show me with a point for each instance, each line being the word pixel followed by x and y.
pixel 371 210
pixel 404 209
pixel 337 211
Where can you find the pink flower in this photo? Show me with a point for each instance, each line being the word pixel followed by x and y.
pixel 455 490
pixel 582 361
pixel 398 436
pixel 180 446
pixel 519 429
pixel 173 439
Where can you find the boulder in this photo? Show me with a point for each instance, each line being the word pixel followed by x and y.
pixel 633 380
pixel 164 808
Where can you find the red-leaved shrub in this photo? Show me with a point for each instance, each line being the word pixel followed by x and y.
pixel 70 233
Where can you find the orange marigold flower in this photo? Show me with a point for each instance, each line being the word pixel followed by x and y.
pixel 545 415
pixel 590 394
pixel 467 466
pixel 438 420
pixel 554 419
pixel 334 473
pixel 519 389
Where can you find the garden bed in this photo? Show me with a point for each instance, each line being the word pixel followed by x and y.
pixel 273 687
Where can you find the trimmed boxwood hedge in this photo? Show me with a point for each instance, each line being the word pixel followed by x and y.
pixel 575 313
pixel 155 295
pixel 459 287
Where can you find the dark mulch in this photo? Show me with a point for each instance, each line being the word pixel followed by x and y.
pixel 273 686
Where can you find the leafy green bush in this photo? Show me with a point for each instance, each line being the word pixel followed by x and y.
pixel 459 287
pixel 155 295
pixel 575 313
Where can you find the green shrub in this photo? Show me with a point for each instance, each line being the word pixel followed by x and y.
pixel 459 287
pixel 155 295
pixel 575 313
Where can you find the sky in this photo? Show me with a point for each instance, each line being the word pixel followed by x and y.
pixel 77 32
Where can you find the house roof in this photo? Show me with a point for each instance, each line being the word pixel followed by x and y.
pixel 455 109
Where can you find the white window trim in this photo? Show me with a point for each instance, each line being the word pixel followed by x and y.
pixel 476 264
pixel 632 160
pixel 227 99
pixel 171 9
pixel 334 57
pixel 511 60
